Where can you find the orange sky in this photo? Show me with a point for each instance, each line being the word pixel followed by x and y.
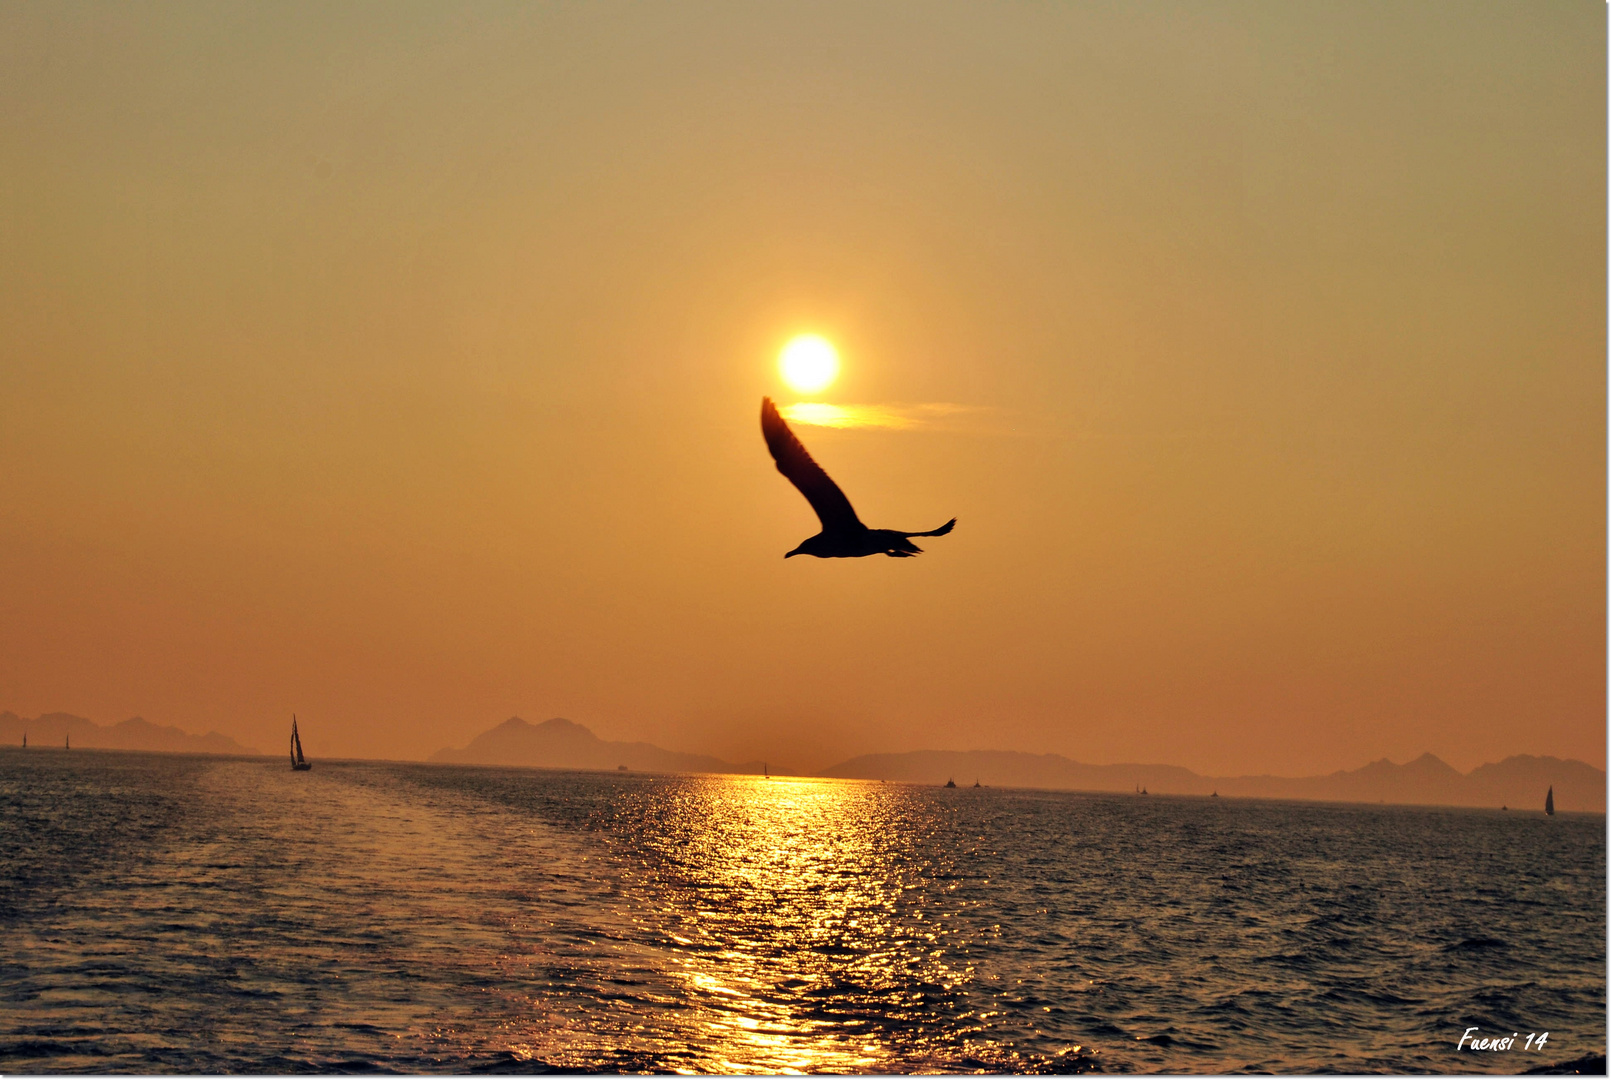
pixel 400 366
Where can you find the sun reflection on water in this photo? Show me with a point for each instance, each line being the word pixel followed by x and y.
pixel 798 932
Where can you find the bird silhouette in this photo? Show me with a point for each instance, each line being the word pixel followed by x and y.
pixel 843 536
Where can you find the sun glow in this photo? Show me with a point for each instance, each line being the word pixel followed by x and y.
pixel 809 363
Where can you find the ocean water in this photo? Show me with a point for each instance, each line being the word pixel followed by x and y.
pixel 189 914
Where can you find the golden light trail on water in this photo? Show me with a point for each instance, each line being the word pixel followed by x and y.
pixel 790 887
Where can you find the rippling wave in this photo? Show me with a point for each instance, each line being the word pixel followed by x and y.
pixel 175 914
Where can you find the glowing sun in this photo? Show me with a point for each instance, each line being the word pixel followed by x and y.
pixel 809 363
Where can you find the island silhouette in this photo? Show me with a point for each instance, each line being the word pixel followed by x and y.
pixel 1519 780
pixel 135 733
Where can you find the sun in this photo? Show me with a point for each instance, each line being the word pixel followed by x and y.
pixel 809 363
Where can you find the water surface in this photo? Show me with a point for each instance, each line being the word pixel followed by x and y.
pixel 190 914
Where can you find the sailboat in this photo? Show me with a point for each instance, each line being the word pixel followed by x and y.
pixel 298 762
pixel 25 740
pixel 951 782
pixel 1549 801
pixel 68 745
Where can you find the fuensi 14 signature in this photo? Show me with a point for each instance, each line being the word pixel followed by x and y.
pixel 1503 1042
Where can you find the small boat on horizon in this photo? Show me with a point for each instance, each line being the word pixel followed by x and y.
pixel 1549 801
pixel 951 782
pixel 298 762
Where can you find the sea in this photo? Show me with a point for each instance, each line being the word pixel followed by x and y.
pixel 188 914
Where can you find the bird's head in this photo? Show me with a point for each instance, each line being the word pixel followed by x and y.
pixel 811 545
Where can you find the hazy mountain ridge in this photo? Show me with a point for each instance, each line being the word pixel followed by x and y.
pixel 1519 781
pixel 562 744
pixel 135 733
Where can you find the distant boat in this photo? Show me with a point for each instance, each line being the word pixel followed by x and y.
pixel 1549 801
pixel 25 740
pixel 951 783
pixel 298 762
pixel 766 773
pixel 1214 796
pixel 68 745
pixel 976 782
pixel 620 768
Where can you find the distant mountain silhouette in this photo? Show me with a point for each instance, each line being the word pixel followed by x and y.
pixel 1518 782
pixel 136 733
pixel 561 744
pixel 1499 782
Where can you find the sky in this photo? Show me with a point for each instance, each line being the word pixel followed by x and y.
pixel 399 365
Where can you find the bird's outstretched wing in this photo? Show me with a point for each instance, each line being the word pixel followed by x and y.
pixel 793 461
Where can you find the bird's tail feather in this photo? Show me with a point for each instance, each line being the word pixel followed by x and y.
pixel 941 531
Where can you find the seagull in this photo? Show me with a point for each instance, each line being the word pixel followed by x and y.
pixel 843 536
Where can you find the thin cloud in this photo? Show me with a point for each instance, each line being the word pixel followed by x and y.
pixel 934 415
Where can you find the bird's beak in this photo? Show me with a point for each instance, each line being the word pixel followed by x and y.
pixel 789 554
